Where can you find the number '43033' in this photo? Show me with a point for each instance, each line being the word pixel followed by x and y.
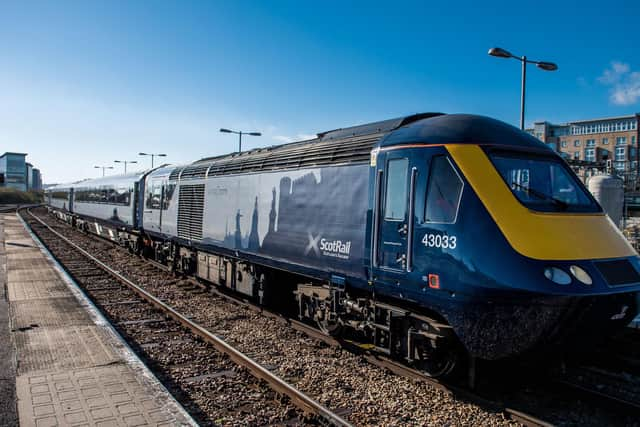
pixel 440 241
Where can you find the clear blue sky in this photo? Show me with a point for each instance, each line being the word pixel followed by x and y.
pixel 83 83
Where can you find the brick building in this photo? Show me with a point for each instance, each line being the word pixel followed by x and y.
pixel 613 141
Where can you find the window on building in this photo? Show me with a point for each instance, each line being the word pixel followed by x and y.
pixel 563 143
pixel 619 166
pixel 590 154
pixel 443 194
pixel 590 143
pixel 576 155
pixel 576 143
pixel 605 141
pixel 633 140
pixel 620 153
pixel 621 140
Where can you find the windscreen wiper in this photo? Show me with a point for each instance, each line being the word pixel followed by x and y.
pixel 539 194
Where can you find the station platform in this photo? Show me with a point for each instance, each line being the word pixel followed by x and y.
pixel 61 363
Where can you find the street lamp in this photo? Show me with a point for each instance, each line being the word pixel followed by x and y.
pixel 152 156
pixel 240 133
pixel 103 168
pixel 125 163
pixel 543 65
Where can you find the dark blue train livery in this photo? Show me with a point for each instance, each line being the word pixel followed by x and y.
pixel 431 236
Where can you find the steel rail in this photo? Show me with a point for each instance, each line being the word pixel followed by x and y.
pixel 298 398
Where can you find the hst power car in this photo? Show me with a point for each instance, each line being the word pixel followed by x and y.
pixel 429 235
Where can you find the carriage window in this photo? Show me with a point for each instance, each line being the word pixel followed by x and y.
pixel 443 192
pixel 395 207
pixel 122 196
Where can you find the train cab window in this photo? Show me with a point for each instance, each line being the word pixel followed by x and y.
pixel 543 183
pixel 395 207
pixel 443 192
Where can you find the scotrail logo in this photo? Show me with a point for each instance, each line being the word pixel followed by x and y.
pixel 332 248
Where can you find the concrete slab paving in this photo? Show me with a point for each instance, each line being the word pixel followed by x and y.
pixel 65 364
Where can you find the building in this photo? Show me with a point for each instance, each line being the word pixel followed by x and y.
pixel 611 141
pixel 16 172
pixel 29 175
pixel 37 179
pixel 13 171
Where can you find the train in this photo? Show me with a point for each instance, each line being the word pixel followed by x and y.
pixel 435 238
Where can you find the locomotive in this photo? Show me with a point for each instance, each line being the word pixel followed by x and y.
pixel 431 236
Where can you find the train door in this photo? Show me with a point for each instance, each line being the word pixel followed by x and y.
pixel 394 206
pixel 153 205
pixel 71 199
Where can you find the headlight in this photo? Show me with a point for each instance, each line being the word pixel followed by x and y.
pixel 580 274
pixel 557 276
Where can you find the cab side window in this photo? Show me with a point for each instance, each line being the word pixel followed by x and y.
pixel 395 206
pixel 443 192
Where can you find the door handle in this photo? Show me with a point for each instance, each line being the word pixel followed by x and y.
pixel 402 260
pixel 403 229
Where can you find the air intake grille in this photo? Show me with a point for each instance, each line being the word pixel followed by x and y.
pixel 174 174
pixel 194 172
pixel 619 272
pixel 190 211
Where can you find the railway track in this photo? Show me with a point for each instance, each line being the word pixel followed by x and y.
pixel 141 315
pixel 223 326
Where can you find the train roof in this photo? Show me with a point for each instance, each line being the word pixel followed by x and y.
pixel 108 181
pixel 338 146
pixel 462 129
pixel 354 144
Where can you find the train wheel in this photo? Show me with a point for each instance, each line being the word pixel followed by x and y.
pixel 436 362
pixel 330 327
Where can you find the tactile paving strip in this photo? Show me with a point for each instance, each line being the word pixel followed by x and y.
pixel 31 275
pixel 39 263
pixel 103 396
pixel 68 347
pixel 37 289
pixel 26 255
pixel 63 311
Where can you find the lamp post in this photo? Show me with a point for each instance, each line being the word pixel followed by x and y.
pixel 152 156
pixel 240 133
pixel 543 65
pixel 125 163
pixel 103 168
